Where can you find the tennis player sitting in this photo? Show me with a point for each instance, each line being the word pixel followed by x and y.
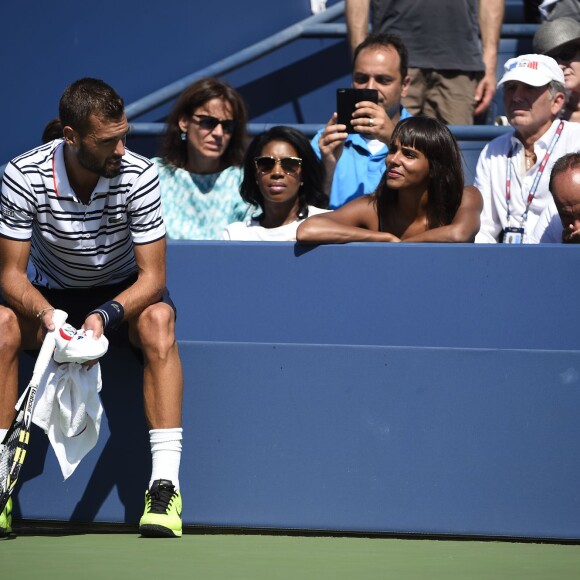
pixel 81 230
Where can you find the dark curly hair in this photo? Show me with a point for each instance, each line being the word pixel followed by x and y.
pixel 174 151
pixel 312 190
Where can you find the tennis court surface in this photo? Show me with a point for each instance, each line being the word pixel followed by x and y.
pixel 261 557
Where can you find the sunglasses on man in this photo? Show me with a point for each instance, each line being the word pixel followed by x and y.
pixel 290 165
pixel 209 123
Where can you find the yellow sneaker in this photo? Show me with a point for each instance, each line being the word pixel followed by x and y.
pixel 162 515
pixel 6 519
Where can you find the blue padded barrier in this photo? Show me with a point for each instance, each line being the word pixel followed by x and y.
pixel 460 296
pixel 366 387
pixel 514 11
pixel 471 140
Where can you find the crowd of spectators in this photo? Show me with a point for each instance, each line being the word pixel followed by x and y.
pixel 391 173
pixel 216 183
pixel 418 68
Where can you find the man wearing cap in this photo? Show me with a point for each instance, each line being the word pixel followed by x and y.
pixel 513 170
pixel 560 221
pixel 560 39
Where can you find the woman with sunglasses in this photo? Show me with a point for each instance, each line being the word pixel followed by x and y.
pixel 560 39
pixel 284 178
pixel 420 197
pixel 200 162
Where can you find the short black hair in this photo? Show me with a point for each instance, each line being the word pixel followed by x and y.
pixel 564 163
pixel 87 97
pixel 384 40
pixel 52 130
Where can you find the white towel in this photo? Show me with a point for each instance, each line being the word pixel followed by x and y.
pixel 69 408
pixel 78 346
pixel 69 411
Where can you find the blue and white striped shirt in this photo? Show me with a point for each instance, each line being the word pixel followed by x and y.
pixel 74 245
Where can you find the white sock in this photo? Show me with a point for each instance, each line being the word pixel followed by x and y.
pixel 166 454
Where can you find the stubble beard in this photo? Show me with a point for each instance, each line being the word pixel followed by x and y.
pixel 88 162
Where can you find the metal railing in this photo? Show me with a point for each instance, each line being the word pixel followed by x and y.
pixel 317 26
pixel 234 62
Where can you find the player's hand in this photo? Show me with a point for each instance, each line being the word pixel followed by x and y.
pixel 94 322
pixel 331 141
pixel 46 321
pixel 372 121
pixel 571 235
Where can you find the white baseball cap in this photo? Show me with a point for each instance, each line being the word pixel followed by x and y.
pixel 536 70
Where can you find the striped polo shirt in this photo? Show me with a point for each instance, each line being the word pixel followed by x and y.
pixel 74 245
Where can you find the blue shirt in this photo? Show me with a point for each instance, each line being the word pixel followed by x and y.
pixel 358 171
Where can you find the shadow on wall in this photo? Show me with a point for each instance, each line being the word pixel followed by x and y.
pixel 124 461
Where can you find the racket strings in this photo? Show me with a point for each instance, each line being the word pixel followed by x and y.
pixel 11 456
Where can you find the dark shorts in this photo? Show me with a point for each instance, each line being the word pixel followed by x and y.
pixel 78 302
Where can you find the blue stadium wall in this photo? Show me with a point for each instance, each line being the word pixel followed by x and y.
pixel 372 388
pixel 142 46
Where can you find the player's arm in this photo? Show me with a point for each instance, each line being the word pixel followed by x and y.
pixel 150 282
pixel 17 290
pixel 491 13
pixel 357 21
pixel 147 289
pixel 356 221
pixel 465 224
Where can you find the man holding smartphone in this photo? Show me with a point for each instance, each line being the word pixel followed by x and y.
pixel 355 162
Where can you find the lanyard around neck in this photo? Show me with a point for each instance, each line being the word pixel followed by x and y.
pixel 537 178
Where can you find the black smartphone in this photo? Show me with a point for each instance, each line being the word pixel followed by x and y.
pixel 346 100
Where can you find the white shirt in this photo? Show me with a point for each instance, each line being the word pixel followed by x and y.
pixel 77 245
pixel 251 230
pixel 491 174
pixel 549 228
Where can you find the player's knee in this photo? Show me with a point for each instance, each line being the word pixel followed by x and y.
pixel 10 335
pixel 156 324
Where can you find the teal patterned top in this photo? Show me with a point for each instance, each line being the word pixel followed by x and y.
pixel 199 207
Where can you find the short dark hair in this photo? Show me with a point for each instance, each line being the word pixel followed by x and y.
pixel 312 175
pixel 384 40
pixel 437 143
pixel 174 150
pixel 52 130
pixel 87 97
pixel 564 163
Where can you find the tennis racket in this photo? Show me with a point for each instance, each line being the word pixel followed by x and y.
pixel 15 444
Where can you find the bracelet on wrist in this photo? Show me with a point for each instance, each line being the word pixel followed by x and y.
pixel 111 312
pixel 41 313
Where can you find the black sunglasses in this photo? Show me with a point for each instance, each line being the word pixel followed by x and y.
pixel 566 54
pixel 289 165
pixel 209 123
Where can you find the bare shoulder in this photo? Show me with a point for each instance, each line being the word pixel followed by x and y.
pixel 471 197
